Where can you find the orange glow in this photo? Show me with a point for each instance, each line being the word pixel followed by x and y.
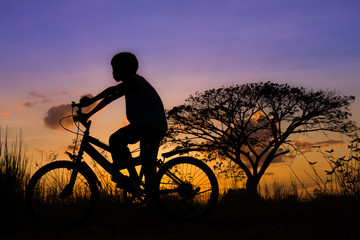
pixel 5 113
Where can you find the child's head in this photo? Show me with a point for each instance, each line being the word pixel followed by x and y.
pixel 124 64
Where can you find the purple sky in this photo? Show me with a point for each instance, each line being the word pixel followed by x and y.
pixel 48 43
pixel 54 51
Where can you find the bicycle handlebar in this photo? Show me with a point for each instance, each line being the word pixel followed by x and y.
pixel 78 106
pixel 79 113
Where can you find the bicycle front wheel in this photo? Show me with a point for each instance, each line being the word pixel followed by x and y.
pixel 53 202
pixel 187 189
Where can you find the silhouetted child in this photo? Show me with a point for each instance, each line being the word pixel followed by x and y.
pixel 144 110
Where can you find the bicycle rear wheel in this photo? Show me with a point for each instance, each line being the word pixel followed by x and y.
pixel 52 202
pixel 186 189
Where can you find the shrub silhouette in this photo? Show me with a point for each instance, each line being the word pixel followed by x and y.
pixel 14 175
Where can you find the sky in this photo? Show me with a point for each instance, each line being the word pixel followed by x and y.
pixel 53 52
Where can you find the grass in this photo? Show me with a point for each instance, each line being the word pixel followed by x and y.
pixel 281 214
pixel 331 217
pixel 235 217
pixel 14 175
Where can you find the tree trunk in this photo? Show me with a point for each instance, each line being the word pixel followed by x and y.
pixel 251 186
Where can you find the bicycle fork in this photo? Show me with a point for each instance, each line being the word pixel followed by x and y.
pixel 68 189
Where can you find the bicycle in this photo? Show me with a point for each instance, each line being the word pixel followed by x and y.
pixel 66 192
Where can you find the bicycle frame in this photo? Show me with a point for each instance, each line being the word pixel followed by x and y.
pixel 86 146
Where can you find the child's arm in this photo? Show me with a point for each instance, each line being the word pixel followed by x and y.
pixel 108 95
pixel 86 101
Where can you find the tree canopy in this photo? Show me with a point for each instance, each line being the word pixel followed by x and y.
pixel 251 124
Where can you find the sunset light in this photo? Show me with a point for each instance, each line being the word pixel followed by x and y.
pixel 56 52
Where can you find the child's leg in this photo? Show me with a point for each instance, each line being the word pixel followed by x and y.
pixel 119 151
pixel 149 151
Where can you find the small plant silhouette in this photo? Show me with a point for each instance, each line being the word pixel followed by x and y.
pixel 345 171
pixel 14 175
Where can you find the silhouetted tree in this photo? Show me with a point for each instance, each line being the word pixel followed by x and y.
pixel 251 124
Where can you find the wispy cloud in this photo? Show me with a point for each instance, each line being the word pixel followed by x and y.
pixel 37 95
pixel 5 113
pixel 284 158
pixel 306 146
pixel 309 146
pixel 28 104
pixel 36 98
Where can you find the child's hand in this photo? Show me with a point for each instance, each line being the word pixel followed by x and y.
pixel 85 101
pixel 81 118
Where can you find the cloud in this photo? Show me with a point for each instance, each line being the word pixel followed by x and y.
pixel 28 104
pixel 89 95
pixel 304 145
pixel 55 113
pixel 37 95
pixel 308 146
pixel 5 113
pixel 329 143
pixel 284 158
pixel 32 103
pixel 42 98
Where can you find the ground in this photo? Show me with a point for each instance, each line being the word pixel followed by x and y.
pixel 233 218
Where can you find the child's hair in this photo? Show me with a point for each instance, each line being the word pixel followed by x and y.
pixel 127 61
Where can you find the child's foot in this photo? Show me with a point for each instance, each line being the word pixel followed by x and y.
pixel 131 184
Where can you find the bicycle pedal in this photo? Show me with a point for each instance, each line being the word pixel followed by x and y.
pixel 126 182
